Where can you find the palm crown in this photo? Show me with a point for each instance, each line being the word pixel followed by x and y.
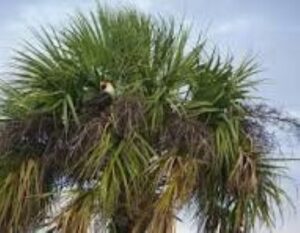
pixel 182 131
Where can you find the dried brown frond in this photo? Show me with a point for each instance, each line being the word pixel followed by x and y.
pixel 243 178
pixel 37 134
pixel 78 215
pixel 162 222
pixel 24 197
pixel 129 114
pixel 85 137
pixel 186 136
pixel 180 175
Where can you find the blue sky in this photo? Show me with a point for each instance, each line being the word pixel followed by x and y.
pixel 268 29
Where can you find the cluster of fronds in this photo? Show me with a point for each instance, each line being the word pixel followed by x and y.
pixel 182 130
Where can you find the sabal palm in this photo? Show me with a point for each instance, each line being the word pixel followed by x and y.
pixel 182 131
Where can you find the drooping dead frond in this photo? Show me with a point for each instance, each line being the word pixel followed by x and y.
pixel 129 115
pixel 78 214
pixel 244 177
pixel 162 222
pixel 23 197
pixel 186 136
pixel 177 179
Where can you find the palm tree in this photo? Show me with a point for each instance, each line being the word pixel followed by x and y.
pixel 182 131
